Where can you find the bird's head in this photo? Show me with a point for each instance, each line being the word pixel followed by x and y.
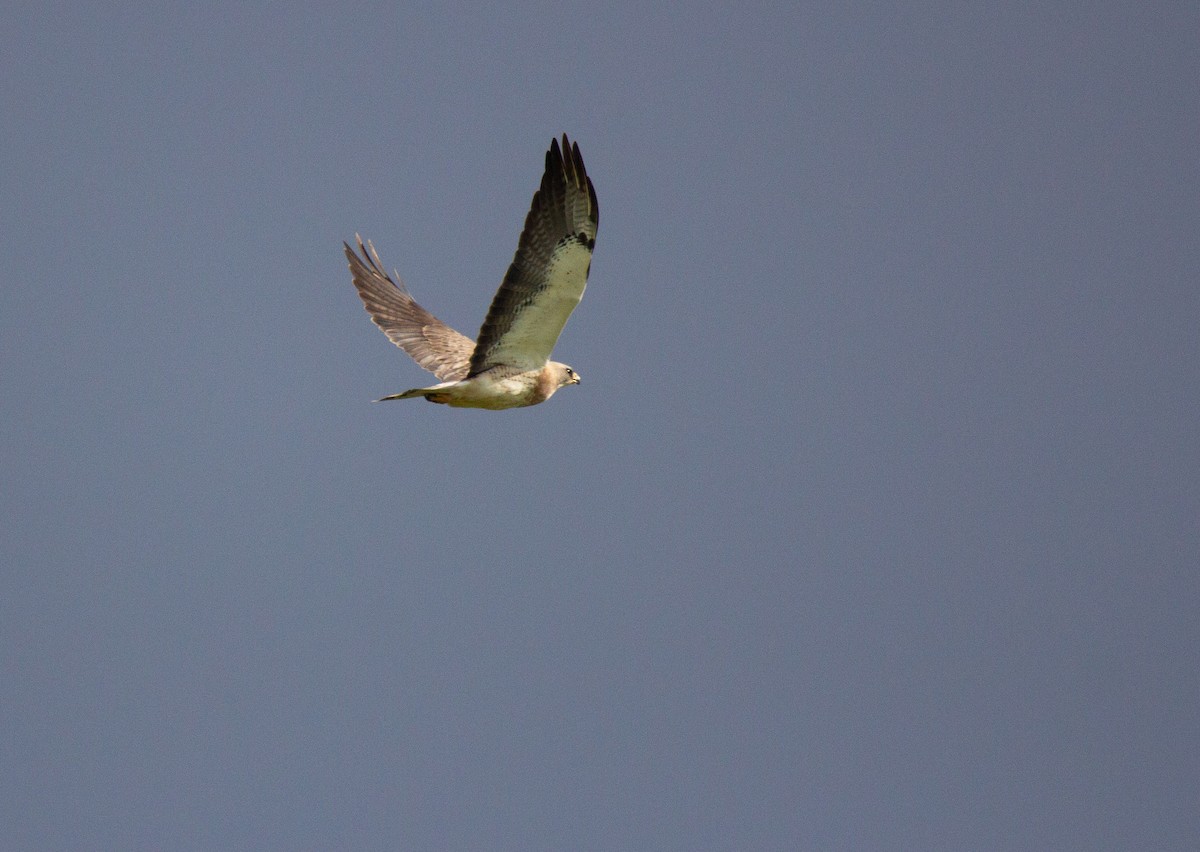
pixel 563 374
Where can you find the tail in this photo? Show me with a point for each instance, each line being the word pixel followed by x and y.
pixel 408 394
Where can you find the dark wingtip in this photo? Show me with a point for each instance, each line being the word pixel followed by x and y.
pixel 356 256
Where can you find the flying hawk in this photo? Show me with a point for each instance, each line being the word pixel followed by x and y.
pixel 508 365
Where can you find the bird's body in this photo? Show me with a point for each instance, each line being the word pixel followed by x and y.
pixel 498 388
pixel 508 365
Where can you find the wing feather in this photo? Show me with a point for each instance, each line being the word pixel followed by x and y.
pixel 430 342
pixel 549 272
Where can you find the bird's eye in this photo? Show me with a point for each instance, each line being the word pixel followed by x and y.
pixel 570 372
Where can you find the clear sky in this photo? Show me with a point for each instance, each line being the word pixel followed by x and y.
pixel 873 524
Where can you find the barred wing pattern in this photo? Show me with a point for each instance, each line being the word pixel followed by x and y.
pixel 430 342
pixel 549 272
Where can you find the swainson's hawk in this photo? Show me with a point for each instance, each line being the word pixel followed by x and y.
pixel 508 365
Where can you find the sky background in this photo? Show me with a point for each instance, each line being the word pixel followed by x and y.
pixel 875 523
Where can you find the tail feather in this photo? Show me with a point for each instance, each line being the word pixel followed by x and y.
pixel 408 394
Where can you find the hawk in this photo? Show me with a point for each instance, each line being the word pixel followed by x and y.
pixel 508 365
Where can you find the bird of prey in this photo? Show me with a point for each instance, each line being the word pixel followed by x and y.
pixel 507 365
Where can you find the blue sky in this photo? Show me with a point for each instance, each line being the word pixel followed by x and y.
pixel 872 526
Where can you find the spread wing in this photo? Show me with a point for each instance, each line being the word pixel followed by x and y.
pixel 430 342
pixel 549 272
